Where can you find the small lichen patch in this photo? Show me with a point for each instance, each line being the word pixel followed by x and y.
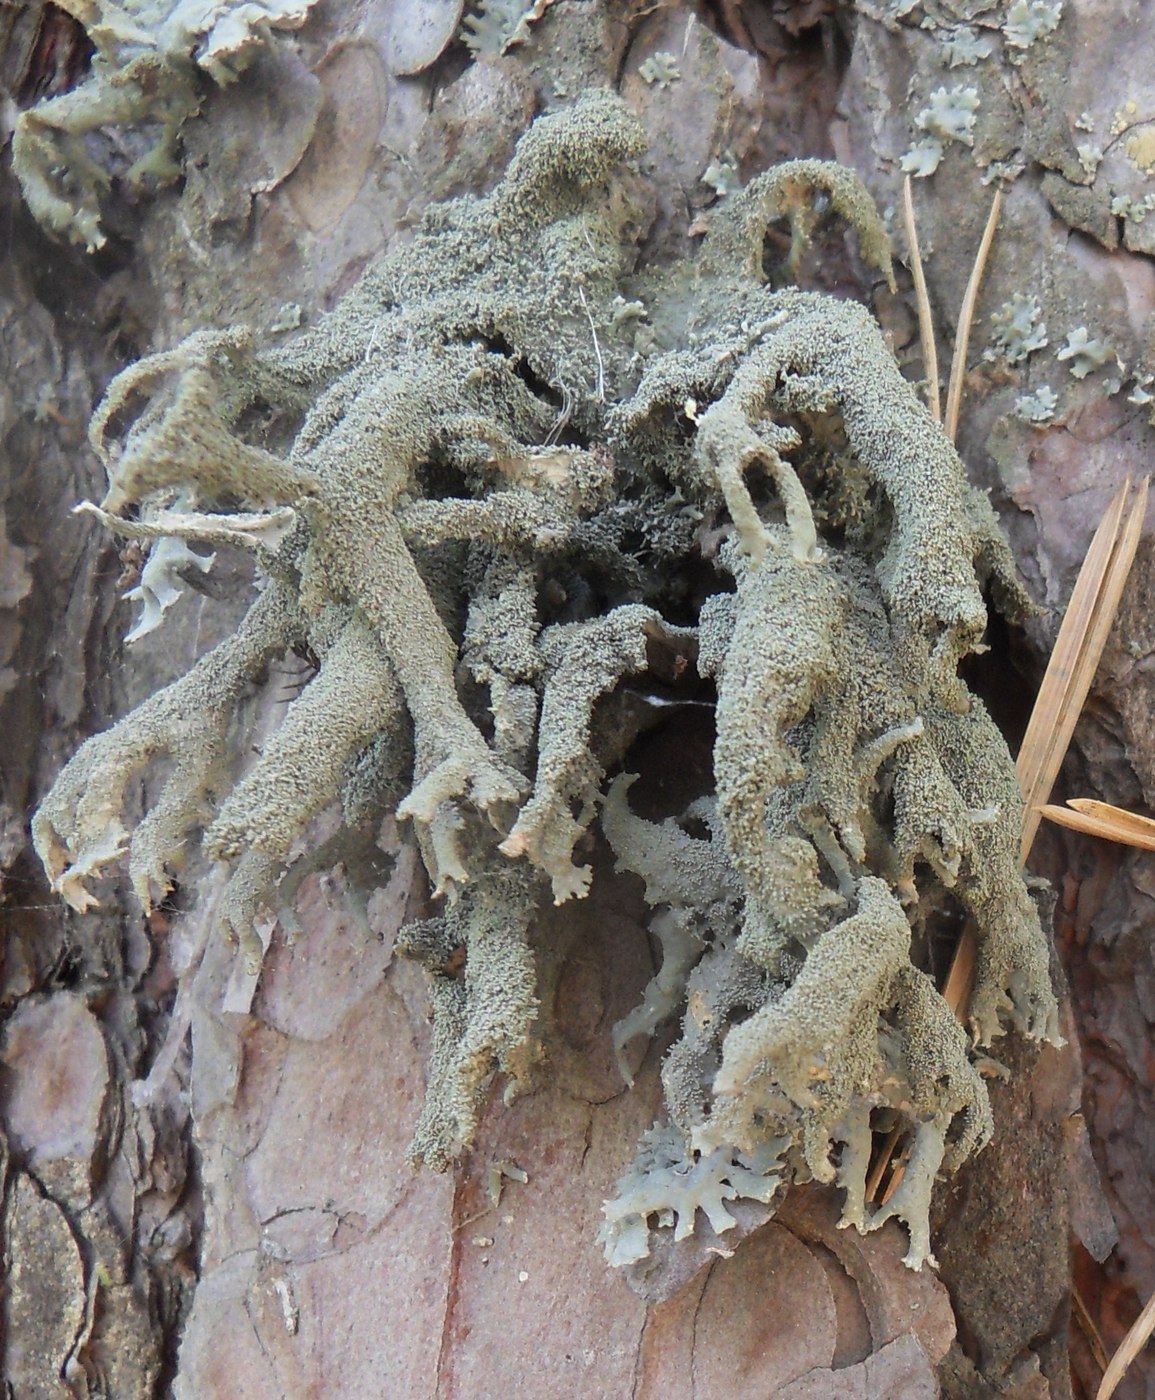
pixel 1028 21
pixel 964 48
pixel 948 116
pixel 144 73
pixel 923 159
pixel 162 583
pixel 666 1187
pixel 661 69
pixel 1003 172
pixel 1084 352
pixel 495 26
pixel 722 176
pixel 1037 407
pixel 1140 394
pixel 1125 116
pixel 1140 148
pixel 1017 329
pixel 1123 206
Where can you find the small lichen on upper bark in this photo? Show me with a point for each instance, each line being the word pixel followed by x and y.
pixel 147 55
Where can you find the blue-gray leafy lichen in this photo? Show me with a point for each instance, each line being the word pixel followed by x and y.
pixel 481 499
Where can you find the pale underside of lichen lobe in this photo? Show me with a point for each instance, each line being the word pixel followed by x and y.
pixel 447 495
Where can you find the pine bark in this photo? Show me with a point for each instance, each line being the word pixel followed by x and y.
pixel 208 1198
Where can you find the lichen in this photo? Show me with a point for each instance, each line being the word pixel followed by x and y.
pixel 147 56
pixel 948 116
pixel 660 69
pixel 1084 353
pixel 1028 21
pixel 161 582
pixel 1037 407
pixel 1017 329
pixel 1136 210
pixel 496 26
pixel 964 48
pixel 722 176
pixel 1140 394
pixel 669 1187
pixel 923 158
pixel 483 505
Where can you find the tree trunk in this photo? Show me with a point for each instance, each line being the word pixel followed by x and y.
pixel 206 1183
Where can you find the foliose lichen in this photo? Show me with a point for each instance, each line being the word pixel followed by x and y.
pixel 948 116
pixel 1028 21
pixel 161 582
pixel 1037 407
pixel 667 1187
pixel 480 499
pixel 964 48
pixel 722 175
pixel 1017 329
pixel 1084 353
pixel 1140 394
pixel 660 68
pixel 147 58
pixel 496 26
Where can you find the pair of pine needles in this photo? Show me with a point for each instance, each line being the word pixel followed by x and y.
pixel 1067 680
pixel 1066 683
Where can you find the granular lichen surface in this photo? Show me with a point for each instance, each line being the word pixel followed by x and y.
pixel 515 472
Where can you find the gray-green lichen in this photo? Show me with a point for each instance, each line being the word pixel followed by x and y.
pixel 1028 21
pixel 496 26
pixel 481 500
pixel 660 68
pixel 1037 407
pixel 1084 353
pixel 147 59
pixel 662 1183
pixel 1017 328
pixel 962 48
pixel 949 116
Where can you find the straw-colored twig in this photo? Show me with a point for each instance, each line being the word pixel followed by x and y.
pixel 882 1164
pixel 1101 819
pixel 958 364
pixel 961 977
pixel 922 302
pixel 1079 647
pixel 1128 1349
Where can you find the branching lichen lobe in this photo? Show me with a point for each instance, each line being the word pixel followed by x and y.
pixel 480 442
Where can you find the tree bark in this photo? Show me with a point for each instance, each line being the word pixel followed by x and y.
pixel 206 1185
